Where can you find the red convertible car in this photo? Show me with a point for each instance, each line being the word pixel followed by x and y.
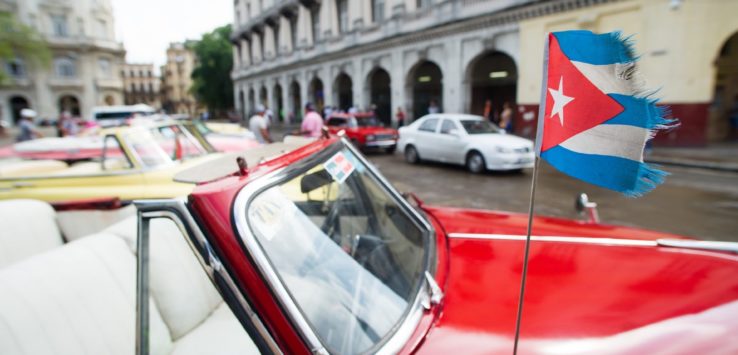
pixel 364 131
pixel 311 251
pixel 317 253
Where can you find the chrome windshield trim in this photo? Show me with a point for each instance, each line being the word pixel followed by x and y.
pixel 541 238
pixel 176 210
pixel 399 335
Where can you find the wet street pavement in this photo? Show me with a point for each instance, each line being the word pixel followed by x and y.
pixel 694 202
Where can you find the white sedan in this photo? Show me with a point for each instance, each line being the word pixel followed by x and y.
pixel 465 140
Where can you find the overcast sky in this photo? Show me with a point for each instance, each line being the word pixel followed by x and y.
pixel 146 27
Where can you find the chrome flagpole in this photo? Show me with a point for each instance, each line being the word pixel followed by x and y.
pixel 525 257
pixel 536 166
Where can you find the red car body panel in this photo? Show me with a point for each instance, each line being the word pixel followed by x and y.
pixel 582 297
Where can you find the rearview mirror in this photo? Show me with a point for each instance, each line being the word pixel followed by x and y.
pixel 315 180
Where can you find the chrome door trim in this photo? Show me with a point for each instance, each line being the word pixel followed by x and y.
pixel 176 210
pixel 560 239
pixel 404 330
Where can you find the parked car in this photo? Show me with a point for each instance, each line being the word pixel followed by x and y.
pixel 107 116
pixel 465 140
pixel 134 163
pixel 316 252
pixel 364 130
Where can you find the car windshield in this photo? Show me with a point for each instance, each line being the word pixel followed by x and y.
pixel 351 257
pixel 145 146
pixel 479 126
pixel 368 122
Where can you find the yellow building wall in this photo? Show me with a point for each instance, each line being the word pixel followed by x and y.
pixel 678 45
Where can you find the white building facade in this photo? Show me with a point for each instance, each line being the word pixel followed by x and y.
pixel 86 60
pixel 386 54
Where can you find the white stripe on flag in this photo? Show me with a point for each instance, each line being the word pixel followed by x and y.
pixel 608 78
pixel 622 141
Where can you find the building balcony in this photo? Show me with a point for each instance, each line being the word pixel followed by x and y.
pixel 59 83
pixel 84 42
pixel 109 83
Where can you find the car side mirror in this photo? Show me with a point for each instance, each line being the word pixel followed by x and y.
pixel 585 207
pixel 315 180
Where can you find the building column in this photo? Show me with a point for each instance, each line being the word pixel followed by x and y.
pixel 283 82
pixel 357 84
pixel 304 31
pixel 284 35
pixel 453 78
pixel 245 53
pixel 304 81
pixel 329 19
pixel 236 57
pixel 356 15
pixel 325 77
pixel 397 84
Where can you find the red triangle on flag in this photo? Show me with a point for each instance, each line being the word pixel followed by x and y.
pixel 572 99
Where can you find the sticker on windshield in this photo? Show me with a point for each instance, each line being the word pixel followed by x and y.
pixel 339 167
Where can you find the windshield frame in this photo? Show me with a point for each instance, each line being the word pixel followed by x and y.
pixel 400 333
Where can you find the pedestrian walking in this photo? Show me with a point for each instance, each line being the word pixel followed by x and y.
pixel 506 116
pixel 258 125
pixel 312 124
pixel 28 129
pixel 400 116
pixel 433 107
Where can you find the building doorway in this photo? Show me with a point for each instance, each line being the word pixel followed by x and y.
pixel 492 76
pixel 316 94
pixel 70 104
pixel 381 95
pixel 344 92
pixel 426 81
pixel 723 123
pixel 296 101
pixel 17 103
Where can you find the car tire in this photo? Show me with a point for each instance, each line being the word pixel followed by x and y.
pixel 475 163
pixel 411 155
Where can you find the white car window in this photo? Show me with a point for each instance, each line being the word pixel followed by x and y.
pixel 447 126
pixel 429 125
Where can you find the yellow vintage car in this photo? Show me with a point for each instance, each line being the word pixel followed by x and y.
pixel 134 163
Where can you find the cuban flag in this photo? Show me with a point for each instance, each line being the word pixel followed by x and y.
pixel 595 118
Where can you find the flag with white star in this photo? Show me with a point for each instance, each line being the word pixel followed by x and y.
pixel 595 118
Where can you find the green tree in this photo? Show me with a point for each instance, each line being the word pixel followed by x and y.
pixel 20 41
pixel 211 78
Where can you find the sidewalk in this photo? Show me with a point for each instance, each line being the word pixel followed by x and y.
pixel 717 156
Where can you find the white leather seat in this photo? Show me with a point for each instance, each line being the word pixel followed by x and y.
pixel 28 227
pixel 76 299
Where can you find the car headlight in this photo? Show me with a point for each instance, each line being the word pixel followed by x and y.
pixel 500 149
pixel 370 137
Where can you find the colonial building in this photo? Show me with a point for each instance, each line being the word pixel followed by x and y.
pixel 85 66
pixel 140 85
pixel 461 53
pixel 176 80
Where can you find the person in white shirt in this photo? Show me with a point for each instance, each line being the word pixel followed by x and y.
pixel 258 125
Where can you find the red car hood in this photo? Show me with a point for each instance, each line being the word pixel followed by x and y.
pixel 584 296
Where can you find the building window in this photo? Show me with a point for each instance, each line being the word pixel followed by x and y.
pixel 343 21
pixel 151 87
pixel 293 29
pixel 102 28
pixel 16 68
pixel 65 67
pixel 133 73
pixel 377 11
pixel 275 37
pixel 123 73
pixel 315 14
pixel 263 45
pixel 59 25
pixel 104 65
pixel 150 74
pixel 141 73
pixel 422 3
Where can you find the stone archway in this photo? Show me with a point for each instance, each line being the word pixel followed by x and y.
pixel 723 123
pixel 17 103
pixel 425 85
pixel 316 93
pixel 295 101
pixel 380 94
pixel 70 103
pixel 278 104
pixel 492 76
pixel 343 92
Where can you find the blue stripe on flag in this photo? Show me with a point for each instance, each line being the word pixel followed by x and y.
pixel 602 49
pixel 629 177
pixel 640 112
